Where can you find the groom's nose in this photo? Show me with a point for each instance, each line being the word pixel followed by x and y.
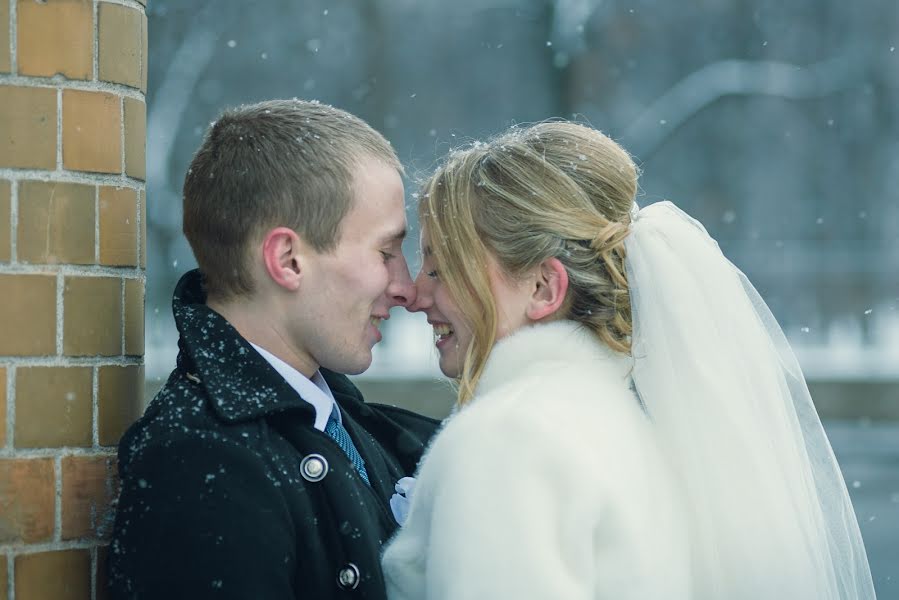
pixel 401 288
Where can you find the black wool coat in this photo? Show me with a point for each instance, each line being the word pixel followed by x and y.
pixel 216 500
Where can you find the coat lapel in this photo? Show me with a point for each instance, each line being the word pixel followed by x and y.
pixel 241 384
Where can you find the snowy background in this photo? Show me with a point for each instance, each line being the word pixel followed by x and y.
pixel 774 122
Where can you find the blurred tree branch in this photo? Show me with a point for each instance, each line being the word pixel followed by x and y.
pixel 735 77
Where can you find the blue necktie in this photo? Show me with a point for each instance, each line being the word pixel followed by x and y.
pixel 340 435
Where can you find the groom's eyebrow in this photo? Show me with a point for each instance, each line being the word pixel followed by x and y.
pixel 426 251
pixel 396 236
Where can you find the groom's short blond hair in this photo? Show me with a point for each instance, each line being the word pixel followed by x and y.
pixel 288 163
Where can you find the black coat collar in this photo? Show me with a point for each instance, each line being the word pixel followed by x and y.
pixel 241 384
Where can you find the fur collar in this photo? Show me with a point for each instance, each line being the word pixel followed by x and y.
pixel 565 343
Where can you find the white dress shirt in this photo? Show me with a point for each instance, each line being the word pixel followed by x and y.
pixel 315 391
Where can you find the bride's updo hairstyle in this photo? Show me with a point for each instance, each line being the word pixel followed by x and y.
pixel 554 189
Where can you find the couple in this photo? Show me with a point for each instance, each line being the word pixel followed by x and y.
pixel 630 423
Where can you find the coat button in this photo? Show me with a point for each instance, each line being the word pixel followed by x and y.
pixel 314 467
pixel 348 577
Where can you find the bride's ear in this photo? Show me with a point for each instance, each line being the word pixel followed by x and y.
pixel 549 290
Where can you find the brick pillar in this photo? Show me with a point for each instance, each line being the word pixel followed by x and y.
pixel 73 79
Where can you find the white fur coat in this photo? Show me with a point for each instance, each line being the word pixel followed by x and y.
pixel 548 485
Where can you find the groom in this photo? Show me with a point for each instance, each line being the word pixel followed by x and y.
pixel 258 471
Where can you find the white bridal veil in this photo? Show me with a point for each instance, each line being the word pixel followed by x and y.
pixel 770 516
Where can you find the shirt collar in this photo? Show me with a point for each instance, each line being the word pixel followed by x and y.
pixel 315 391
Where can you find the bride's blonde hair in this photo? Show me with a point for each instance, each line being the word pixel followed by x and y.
pixel 554 189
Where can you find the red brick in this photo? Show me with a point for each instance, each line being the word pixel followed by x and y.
pixel 119 401
pixel 28 317
pixel 53 407
pixel 3 580
pixel 56 223
pixel 57 575
pixel 134 317
pixel 55 37
pixel 118 226
pixel 5 64
pixel 27 127
pixel 89 485
pixel 92 316
pixel 135 138
pixel 120 44
pixel 27 499
pixel 91 131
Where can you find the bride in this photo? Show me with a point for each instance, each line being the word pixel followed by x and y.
pixel 631 422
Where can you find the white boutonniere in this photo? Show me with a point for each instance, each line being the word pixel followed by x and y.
pixel 400 501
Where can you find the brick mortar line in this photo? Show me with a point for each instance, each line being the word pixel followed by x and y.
pixel 129 3
pixel 122 135
pixel 60 453
pixel 59 165
pixel 95 47
pixel 144 56
pixel 94 560
pixel 73 361
pixel 95 409
pixel 60 314
pixel 57 512
pixel 61 83
pixel 13 221
pixel 13 45
pixel 122 330
pixel 73 270
pixel 10 573
pixel 139 238
pixel 97 224
pixel 10 384
pixel 19 548
pixel 64 176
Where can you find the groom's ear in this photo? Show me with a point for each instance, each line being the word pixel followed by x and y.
pixel 282 251
pixel 549 290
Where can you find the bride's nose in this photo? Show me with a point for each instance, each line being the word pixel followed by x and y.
pixel 424 293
